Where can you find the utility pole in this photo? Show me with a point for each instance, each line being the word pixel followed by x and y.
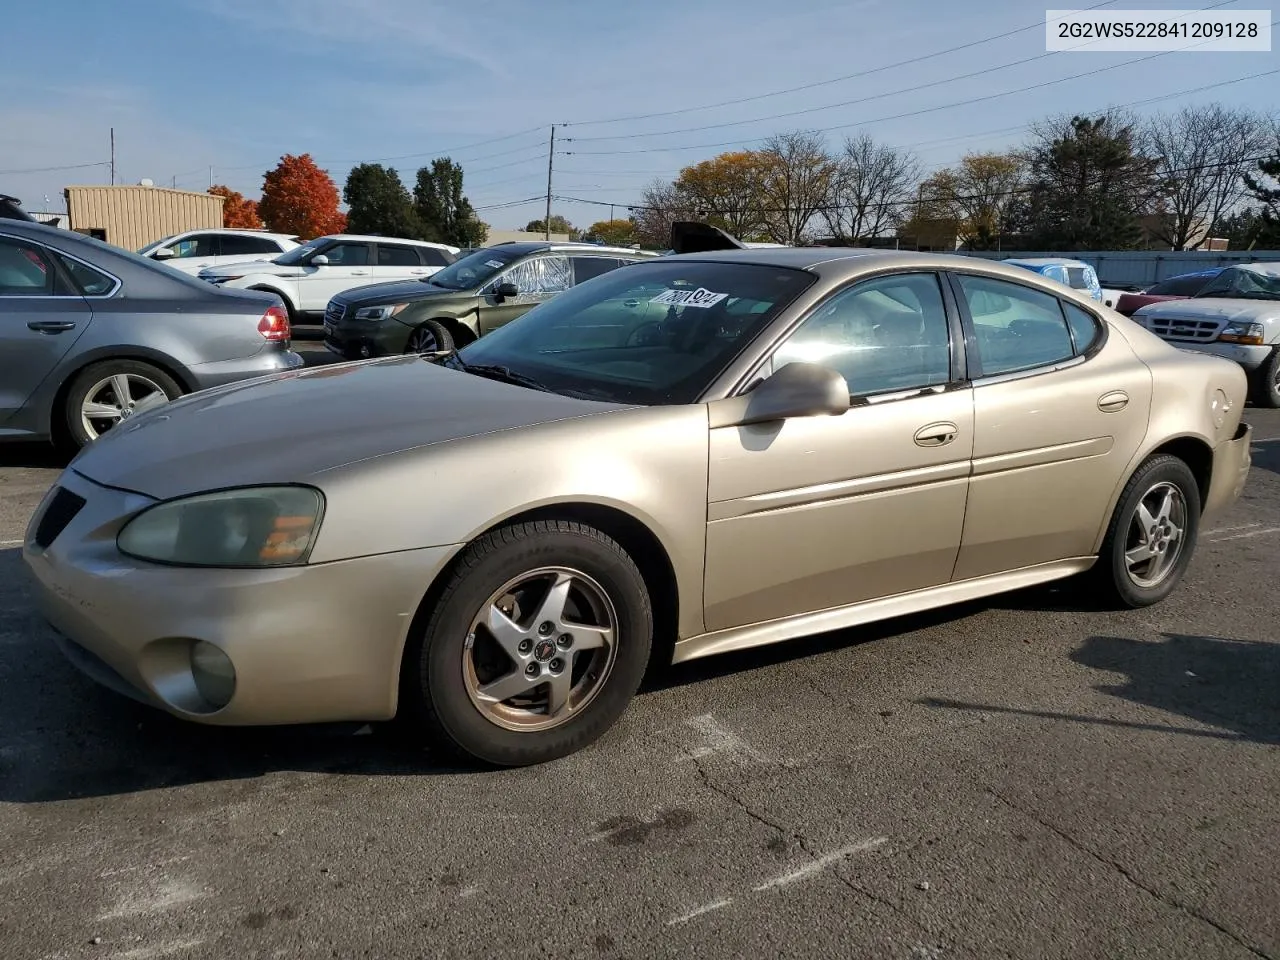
pixel 113 156
pixel 551 158
pixel 211 177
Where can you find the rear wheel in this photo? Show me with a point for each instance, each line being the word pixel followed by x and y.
pixel 1152 534
pixel 428 337
pixel 535 648
pixel 1265 382
pixel 103 395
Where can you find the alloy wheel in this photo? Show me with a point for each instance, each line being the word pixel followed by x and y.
pixel 117 398
pixel 423 340
pixel 540 649
pixel 1156 535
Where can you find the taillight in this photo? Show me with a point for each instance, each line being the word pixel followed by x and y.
pixel 274 325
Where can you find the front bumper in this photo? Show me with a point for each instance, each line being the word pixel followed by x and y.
pixel 1249 357
pixel 361 339
pixel 1231 461
pixel 310 644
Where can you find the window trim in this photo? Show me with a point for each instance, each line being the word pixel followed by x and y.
pixel 58 267
pixel 324 251
pixel 491 285
pixel 959 373
pixel 978 378
pixel 412 248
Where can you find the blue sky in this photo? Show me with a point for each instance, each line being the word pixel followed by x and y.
pixel 233 84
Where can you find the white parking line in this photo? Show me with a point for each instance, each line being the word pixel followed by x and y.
pixel 1250 533
pixel 10 543
pixel 1238 526
pixel 820 864
pixel 699 911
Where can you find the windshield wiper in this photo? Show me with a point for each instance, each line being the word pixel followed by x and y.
pixel 495 371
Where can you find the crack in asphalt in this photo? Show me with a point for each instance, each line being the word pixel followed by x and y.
pixel 1128 875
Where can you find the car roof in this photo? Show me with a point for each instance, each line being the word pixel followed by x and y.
pixel 237 231
pixel 1268 269
pixel 526 247
pixel 374 238
pixel 1045 262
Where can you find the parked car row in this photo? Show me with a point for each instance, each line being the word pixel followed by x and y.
pixel 670 459
pixel 194 250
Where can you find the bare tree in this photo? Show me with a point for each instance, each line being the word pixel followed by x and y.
pixel 872 186
pixel 661 204
pixel 1203 154
pixel 798 178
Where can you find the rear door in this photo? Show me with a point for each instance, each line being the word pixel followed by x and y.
pixel 41 317
pixel 1060 408
pixel 237 248
pixel 397 261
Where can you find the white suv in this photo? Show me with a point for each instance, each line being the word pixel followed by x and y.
pixel 194 250
pixel 307 277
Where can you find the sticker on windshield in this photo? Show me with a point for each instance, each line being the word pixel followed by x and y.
pixel 689 298
pixel 496 264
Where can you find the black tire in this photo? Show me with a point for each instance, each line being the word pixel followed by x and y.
pixel 88 380
pixel 1111 573
pixel 435 700
pixel 428 337
pixel 1264 385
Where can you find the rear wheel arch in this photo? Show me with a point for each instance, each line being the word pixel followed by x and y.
pixel 640 543
pixel 1195 453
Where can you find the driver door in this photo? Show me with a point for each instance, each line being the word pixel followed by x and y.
pixel 349 266
pixel 537 279
pixel 820 512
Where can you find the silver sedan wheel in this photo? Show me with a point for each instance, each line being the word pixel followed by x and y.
pixel 116 398
pixel 1156 535
pixel 540 649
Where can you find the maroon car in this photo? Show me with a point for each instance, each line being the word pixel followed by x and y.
pixel 1174 288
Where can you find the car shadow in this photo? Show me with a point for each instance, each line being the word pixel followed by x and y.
pixel 1226 684
pixel 1265 455
pixel 32 454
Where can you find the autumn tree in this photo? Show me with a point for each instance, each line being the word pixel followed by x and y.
pixel 618 233
pixel 728 191
pixel 978 195
pixel 378 203
pixel 1203 154
pixel 558 225
pixel 798 178
pixel 238 211
pixel 1090 181
pixel 301 199
pixel 661 204
pixel 443 209
pixel 873 183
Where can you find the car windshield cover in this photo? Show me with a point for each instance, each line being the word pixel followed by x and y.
pixel 472 270
pixel 1242 283
pixel 296 255
pixel 649 333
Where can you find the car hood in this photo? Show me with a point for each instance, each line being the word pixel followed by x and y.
pixel 252 266
pixel 292 426
pixel 398 291
pixel 1209 308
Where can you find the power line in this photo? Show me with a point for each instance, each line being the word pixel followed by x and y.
pixel 823 83
pixel 70 166
pixel 900 116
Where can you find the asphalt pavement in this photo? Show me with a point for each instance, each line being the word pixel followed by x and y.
pixel 1024 777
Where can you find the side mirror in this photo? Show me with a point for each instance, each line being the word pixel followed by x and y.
pixel 506 289
pixel 797 390
pixel 164 253
pixel 320 261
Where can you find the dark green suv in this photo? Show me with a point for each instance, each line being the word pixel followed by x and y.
pixel 465 300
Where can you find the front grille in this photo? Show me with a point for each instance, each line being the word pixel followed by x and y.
pixel 1183 328
pixel 335 311
pixel 61 511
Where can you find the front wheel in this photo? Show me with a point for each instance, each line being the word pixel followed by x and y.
pixel 1265 382
pixel 536 646
pixel 1152 534
pixel 429 337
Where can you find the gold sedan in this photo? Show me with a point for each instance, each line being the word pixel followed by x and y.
pixel 695 454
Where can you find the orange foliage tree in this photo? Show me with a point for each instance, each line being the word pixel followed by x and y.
pixel 300 198
pixel 237 210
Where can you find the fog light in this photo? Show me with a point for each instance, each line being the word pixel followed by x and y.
pixel 214 674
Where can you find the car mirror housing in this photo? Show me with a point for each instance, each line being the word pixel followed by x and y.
pixel 796 390
pixel 164 253
pixel 320 261
pixel 506 289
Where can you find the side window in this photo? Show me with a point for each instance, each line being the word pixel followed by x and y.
pixel 432 257
pixel 245 246
pixel 397 256
pixel 91 282
pixel 584 268
pixel 1084 328
pixel 540 276
pixel 25 271
pixel 348 255
pixel 196 245
pixel 883 335
pixel 1016 328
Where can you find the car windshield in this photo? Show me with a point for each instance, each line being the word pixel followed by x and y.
pixel 649 333
pixel 150 247
pixel 297 253
pixel 1241 283
pixel 472 270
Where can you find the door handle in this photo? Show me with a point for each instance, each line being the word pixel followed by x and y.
pixel 631 303
pixel 1113 402
pixel 51 326
pixel 936 434
pixel 417 273
pixel 359 273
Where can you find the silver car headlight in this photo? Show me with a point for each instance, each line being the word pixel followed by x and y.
pixel 380 313
pixel 246 527
pixel 1239 331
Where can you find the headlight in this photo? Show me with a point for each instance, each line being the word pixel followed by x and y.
pixel 1240 332
pixel 380 313
pixel 248 527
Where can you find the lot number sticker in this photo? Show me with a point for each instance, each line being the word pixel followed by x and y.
pixel 701 298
